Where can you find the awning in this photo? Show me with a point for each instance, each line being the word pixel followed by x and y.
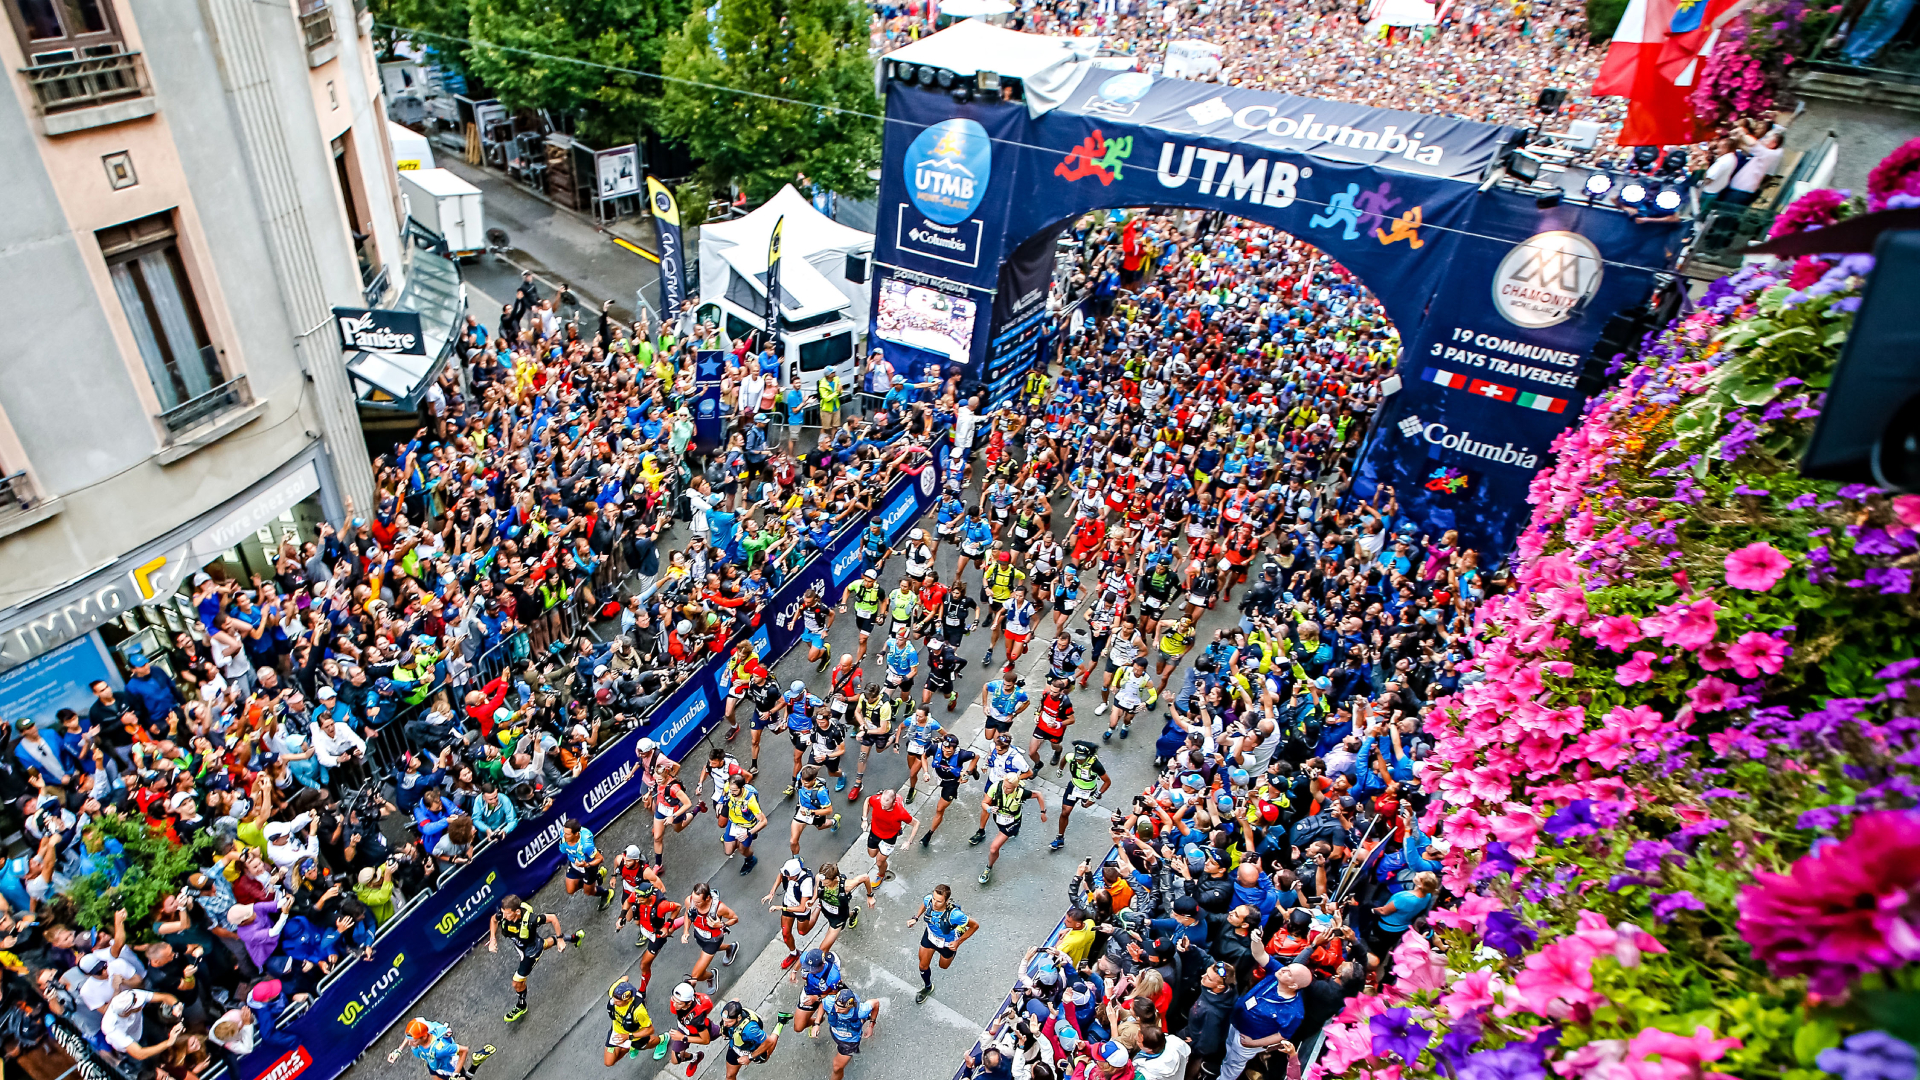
pixel 247 519
pixel 392 380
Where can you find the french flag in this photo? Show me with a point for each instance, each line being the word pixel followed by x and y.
pixel 1658 110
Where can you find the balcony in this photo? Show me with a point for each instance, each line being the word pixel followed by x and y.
pixel 189 414
pixel 20 506
pixel 90 92
pixel 316 26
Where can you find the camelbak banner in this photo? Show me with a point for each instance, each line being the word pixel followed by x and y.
pixel 1497 300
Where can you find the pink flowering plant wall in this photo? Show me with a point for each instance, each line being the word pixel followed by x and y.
pixel 1754 56
pixel 1680 796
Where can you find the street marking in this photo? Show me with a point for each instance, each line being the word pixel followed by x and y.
pixel 636 249
pixel 944 1013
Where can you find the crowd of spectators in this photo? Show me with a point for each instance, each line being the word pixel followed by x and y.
pixel 1270 870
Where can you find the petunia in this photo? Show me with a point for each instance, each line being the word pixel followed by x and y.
pixel 1345 1045
pixel 1690 1052
pixel 1756 567
pixel 1395 1033
pixel 1870 1055
pixel 1416 966
pixel 1637 670
pixel 1755 652
pixel 1712 694
pixel 1840 911
pixel 1472 990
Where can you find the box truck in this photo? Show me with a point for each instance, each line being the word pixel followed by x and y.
pixel 449 206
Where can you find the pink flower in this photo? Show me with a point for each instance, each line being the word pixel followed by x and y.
pixel 1712 694
pixel 1560 974
pixel 1616 632
pixel 1416 966
pixel 1630 941
pixel 1554 570
pixel 1640 719
pixel 1606 746
pixel 1756 567
pixel 1569 605
pixel 1471 912
pixel 1473 990
pixel 1637 670
pixel 1756 652
pixel 1907 509
pixel 1843 910
pixel 1467 829
pixel 1685 626
pixel 1345 1045
pixel 1681 1055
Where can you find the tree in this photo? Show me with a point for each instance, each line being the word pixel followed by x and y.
pixel 812 53
pixel 1603 17
pixel 440 25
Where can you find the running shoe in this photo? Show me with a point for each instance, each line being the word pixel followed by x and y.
pixel 516 1013
pixel 660 1050
pixel 791 959
pixel 1058 843
pixel 732 731
pixel 1100 708
pixel 825 659
pixel 836 824
pixel 977 838
pixel 782 1018
pixel 854 794
pixel 986 875
pixel 747 867
pixel 695 1063
pixel 1123 730
pixel 925 840
pixel 733 951
pixel 606 899
pixel 841 785
pixel 579 936
pixel 853 917
pixel 921 997
pixel 791 788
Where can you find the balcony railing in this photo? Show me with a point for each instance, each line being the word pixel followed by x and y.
pixel 232 394
pixel 316 23
pixel 95 80
pixel 16 494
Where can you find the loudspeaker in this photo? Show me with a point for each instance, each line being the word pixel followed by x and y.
pixel 1869 428
pixel 857 267
pixel 1550 99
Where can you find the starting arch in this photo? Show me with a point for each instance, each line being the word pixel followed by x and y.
pixel 1498 300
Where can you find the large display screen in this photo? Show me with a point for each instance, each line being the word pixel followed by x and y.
pixel 926 318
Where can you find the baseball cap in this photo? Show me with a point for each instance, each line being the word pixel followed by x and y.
pixel 1111 1053
pixel 813 961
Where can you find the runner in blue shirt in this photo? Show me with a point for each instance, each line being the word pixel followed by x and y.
pixel 585 865
pixel 947 928
pixel 433 1043
pixel 849 1021
pixel 821 969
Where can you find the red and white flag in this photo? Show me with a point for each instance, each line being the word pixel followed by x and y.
pixel 1658 110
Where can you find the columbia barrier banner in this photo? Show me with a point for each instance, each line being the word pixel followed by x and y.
pixel 1500 298
pixel 358 1006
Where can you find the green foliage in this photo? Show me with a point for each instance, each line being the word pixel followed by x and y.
pixel 443 21
pixel 1603 18
pixel 808 51
pixel 613 37
pixel 155 866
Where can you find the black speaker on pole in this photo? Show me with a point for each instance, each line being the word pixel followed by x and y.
pixel 1869 428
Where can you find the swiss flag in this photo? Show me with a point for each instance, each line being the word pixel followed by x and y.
pixel 1485 389
pixel 1658 112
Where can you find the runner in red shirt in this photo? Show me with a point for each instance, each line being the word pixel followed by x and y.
pixel 886 816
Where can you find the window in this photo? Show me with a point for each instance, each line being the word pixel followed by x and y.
pixel 827 352
pixel 60 31
pixel 143 258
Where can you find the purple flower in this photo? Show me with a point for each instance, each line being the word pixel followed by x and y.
pixel 1889 580
pixel 1667 905
pixel 1515 1061
pixel 1459 1039
pixel 1870 1055
pixel 1574 820
pixel 1846 305
pixel 1647 856
pixel 1803 501
pixel 1507 933
pixel 1857 491
pixel 1395 1033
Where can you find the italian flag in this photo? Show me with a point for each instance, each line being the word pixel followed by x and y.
pixel 1452 380
pixel 1541 402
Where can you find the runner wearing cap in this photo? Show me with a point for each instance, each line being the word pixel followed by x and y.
pixel 800 707
pixel 947 928
pixel 950 765
pixel 630 1029
pixel 812 807
pixel 1053 717
pixel 849 1021
pixel 975 537
pixel 433 1043
pixel 646 906
pixel 1016 622
pixel 918 733
pixel 865 596
pixel 693 1026
pixel 798 905
pixel 1001 762
pixel 1087 783
pixel 820 969
pixel 918 555
pixel 876 713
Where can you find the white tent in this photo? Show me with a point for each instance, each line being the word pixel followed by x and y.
pixel 813 262
pixel 1192 59
pixel 1402 13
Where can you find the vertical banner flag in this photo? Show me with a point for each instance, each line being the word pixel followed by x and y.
pixel 709 423
pixel 773 285
pixel 666 222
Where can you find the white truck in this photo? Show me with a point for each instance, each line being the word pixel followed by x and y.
pixel 449 206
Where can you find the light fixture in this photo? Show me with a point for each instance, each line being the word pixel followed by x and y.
pixel 1668 199
pixel 944 78
pixel 1598 184
pixel 926 77
pixel 1633 193
pixel 1524 166
pixel 962 93
pixel 988 82
pixel 903 72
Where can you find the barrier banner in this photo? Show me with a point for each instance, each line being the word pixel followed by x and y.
pixel 351 1013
